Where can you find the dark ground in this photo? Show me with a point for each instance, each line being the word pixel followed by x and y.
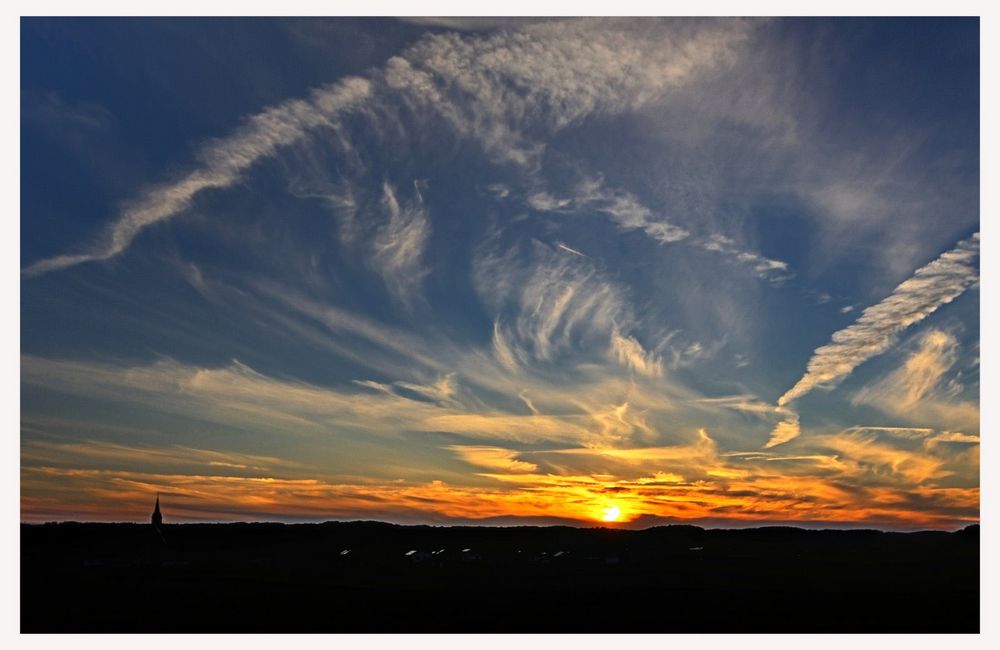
pixel 293 578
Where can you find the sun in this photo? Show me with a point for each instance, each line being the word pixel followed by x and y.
pixel 611 513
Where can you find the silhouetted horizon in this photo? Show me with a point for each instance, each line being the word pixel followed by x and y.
pixel 816 526
pixel 373 576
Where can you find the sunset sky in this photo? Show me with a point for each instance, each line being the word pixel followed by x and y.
pixel 723 272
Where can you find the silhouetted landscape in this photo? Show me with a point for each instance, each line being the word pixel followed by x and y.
pixel 377 577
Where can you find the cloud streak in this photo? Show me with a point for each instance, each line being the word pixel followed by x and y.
pixel 224 161
pixel 492 89
pixel 786 430
pixel 765 268
pixel 620 206
pixel 399 246
pixel 931 286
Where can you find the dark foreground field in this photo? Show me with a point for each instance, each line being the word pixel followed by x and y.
pixel 295 578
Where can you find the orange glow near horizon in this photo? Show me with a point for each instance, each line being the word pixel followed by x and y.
pixel 611 513
pixel 50 494
pixel 844 478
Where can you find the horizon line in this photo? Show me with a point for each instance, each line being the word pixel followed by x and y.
pixel 819 526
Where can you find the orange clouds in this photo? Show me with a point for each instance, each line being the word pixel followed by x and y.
pixel 865 481
pixel 427 449
pixel 496 458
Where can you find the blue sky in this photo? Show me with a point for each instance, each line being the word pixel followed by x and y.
pixel 707 270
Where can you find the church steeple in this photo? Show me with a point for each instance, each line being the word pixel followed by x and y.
pixel 157 517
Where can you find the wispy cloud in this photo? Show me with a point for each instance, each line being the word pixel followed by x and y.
pixel 555 302
pixel 917 390
pixel 105 454
pixel 631 354
pixel 931 286
pixel 906 433
pixel 398 247
pixel 589 457
pixel 469 82
pixel 786 430
pixel 554 299
pixel 494 88
pixel 625 209
pixel 913 467
pixel 502 348
pixel 952 436
pixel 494 458
pixel 629 213
pixel 552 365
pixel 775 271
pixel 223 163
pixel 920 375
pixel 55 112
pixel 744 403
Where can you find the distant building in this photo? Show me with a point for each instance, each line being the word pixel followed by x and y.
pixel 157 517
pixel 419 556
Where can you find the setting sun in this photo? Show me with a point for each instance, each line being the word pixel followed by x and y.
pixel 611 513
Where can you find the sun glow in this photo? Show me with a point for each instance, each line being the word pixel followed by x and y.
pixel 611 513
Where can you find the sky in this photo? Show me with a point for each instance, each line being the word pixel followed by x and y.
pixel 615 272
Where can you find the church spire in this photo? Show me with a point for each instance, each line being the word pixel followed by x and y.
pixel 157 517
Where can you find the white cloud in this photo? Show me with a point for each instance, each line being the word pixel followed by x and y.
pixel 626 210
pixel 931 286
pixel 554 300
pixel 399 244
pixel 630 353
pixel 223 162
pixel 775 271
pixel 620 206
pixel 443 390
pixel 502 349
pixel 786 421
pixel 545 202
pixel 555 74
pixel 562 296
pixel 489 88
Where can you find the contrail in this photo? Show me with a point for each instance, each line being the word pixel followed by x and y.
pixel 930 287
pixel 568 249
